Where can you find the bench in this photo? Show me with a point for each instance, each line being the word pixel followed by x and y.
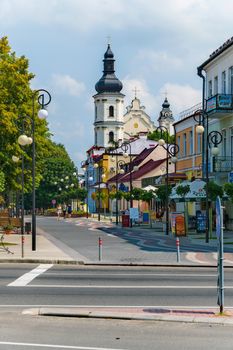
pixel 15 222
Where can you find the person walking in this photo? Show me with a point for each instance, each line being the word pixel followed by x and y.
pixel 69 210
pixel 64 209
pixel 59 211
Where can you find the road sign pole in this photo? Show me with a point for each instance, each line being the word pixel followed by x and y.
pixel 219 233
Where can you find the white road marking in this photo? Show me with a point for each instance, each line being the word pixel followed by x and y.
pixel 115 306
pixel 131 274
pixel 29 276
pixel 123 287
pixel 55 346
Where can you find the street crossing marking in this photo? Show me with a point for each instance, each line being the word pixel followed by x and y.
pixel 23 280
pixel 55 346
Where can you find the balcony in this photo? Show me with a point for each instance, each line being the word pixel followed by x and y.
pixel 219 105
pixel 223 164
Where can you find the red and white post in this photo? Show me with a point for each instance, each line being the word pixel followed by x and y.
pixel 100 248
pixel 178 249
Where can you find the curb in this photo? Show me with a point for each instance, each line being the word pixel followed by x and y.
pixel 77 262
pixel 69 312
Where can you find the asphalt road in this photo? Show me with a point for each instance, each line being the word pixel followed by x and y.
pixel 123 246
pixel 24 332
pixel 24 286
pixel 111 286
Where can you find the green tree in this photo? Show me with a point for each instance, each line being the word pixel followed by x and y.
pixel 182 190
pixel 156 135
pixel 214 190
pixel 15 103
pixel 228 188
pixel 59 178
pixel 162 192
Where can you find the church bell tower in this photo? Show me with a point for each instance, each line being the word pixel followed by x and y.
pixel 109 105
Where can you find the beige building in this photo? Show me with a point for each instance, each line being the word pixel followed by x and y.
pixel 136 120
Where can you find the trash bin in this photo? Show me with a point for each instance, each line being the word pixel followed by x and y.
pixel 125 220
pixel 28 227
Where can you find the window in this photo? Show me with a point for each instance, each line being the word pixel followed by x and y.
pixel 178 143
pixel 210 91
pixel 95 112
pixel 199 137
pixel 231 130
pixel 190 142
pixel 224 142
pixel 224 85
pixel 111 111
pixel 215 85
pixel 184 144
pixel 231 80
pixel 111 136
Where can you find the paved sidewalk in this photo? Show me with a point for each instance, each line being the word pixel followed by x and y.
pixel 46 251
pixel 137 313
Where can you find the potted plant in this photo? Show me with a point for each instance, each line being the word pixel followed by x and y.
pixel 8 229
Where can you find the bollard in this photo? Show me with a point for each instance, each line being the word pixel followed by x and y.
pixel 100 248
pixel 178 249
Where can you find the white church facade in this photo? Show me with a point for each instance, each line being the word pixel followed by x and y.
pixel 111 122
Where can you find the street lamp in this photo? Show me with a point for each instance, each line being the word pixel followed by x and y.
pixel 101 175
pixel 43 98
pixel 127 152
pixel 23 140
pixel 209 138
pixel 172 150
pixel 88 178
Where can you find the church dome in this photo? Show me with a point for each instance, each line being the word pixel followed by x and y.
pixel 109 82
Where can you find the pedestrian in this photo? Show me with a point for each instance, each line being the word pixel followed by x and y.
pixel 59 211
pixel 69 210
pixel 64 209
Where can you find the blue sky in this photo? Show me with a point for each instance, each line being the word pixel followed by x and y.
pixel 157 46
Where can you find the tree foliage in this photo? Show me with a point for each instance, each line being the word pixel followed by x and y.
pixel 16 102
pixel 228 188
pixel 157 134
pixel 59 179
pixel 182 190
pixel 214 190
pixel 162 192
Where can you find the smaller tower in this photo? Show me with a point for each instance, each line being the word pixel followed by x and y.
pixel 166 118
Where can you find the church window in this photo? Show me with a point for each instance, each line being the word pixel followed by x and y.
pixel 95 112
pixel 111 136
pixel 111 111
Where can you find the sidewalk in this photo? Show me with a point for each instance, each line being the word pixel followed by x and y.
pixel 46 251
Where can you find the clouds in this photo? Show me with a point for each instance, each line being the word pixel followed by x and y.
pixel 157 47
pixel 180 96
pixel 66 85
pixel 185 16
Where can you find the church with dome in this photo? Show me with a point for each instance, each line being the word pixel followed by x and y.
pixel 112 122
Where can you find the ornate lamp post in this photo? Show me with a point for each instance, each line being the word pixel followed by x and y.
pixel 127 152
pixel 23 140
pixel 43 98
pixel 210 140
pixel 172 150
pixel 89 177
pixel 101 175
